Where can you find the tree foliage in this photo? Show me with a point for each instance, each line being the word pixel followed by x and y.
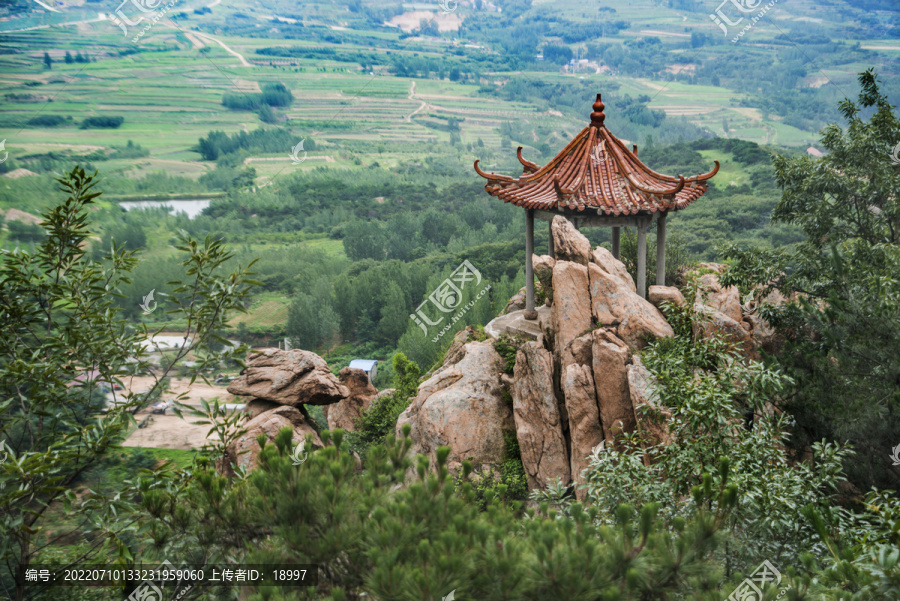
pixel 844 322
pixel 62 338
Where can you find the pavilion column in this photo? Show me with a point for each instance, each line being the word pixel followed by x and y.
pixel 530 313
pixel 551 246
pixel 642 260
pixel 661 250
pixel 616 238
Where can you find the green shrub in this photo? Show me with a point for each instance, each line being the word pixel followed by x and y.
pixel 107 122
pixel 507 347
pixel 508 482
pixel 46 121
pixel 380 419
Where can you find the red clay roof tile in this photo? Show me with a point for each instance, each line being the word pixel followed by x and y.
pixel 596 172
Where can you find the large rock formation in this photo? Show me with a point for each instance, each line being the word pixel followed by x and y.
pixel 615 304
pixel 605 260
pixel 568 243
pixel 611 358
pixel 724 300
pixel 543 271
pixel 572 313
pixel 292 377
pixel 652 417
pixel 659 295
pixel 345 412
pixel 585 428
pixel 462 406
pixel 536 412
pixel 281 383
pixel 719 312
pixel 244 451
pixel 577 385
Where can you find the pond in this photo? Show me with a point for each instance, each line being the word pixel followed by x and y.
pixel 191 207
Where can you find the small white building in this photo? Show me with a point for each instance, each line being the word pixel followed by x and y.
pixel 367 365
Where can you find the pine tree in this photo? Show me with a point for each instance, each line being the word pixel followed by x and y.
pixel 48 62
pixel 69 59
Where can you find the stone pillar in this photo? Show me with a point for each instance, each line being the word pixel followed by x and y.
pixel 530 313
pixel 661 250
pixel 551 247
pixel 616 239
pixel 642 260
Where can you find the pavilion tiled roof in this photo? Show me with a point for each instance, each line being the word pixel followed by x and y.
pixel 596 172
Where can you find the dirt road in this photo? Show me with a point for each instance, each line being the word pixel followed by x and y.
pixel 170 431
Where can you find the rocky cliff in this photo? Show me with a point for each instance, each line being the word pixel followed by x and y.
pixel 570 383
pixel 578 378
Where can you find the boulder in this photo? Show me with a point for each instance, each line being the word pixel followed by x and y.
pixel 610 362
pixel 268 423
pixel 764 335
pixel 516 303
pixel 652 418
pixel 293 377
pixel 571 313
pixel 383 393
pixel 710 323
pixel 456 351
pixel 657 295
pixel 609 298
pixel 257 406
pixel 568 243
pixel 580 349
pixel 537 419
pixel 543 270
pixel 605 260
pixel 461 406
pixel 617 306
pixel 713 295
pixel 585 430
pixel 345 412
pixel 717 267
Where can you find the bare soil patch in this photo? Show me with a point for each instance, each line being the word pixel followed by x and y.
pixel 410 21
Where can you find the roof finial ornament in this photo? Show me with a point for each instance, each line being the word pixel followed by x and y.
pixel 597 117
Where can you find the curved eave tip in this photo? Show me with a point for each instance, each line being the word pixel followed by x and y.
pixel 491 177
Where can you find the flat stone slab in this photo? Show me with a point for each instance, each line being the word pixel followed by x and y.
pixel 514 323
